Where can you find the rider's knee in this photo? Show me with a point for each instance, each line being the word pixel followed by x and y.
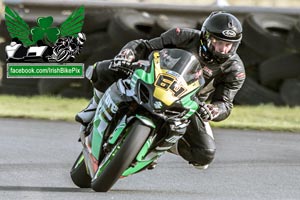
pixel 97 75
pixel 203 156
pixel 196 155
pixel 99 69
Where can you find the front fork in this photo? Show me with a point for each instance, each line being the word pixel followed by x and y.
pixel 153 149
pixel 106 110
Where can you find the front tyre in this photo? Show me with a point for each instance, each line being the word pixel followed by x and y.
pixel 131 146
pixel 79 173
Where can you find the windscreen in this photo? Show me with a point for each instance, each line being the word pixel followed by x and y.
pixel 184 63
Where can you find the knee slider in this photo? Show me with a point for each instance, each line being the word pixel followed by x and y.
pixel 89 72
pixel 95 74
pixel 92 72
pixel 203 156
pixel 195 155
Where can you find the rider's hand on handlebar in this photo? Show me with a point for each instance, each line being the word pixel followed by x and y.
pixel 123 60
pixel 208 111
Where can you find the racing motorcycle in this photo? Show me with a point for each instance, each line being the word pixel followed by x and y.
pixel 163 96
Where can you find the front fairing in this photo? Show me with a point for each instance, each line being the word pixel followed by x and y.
pixel 167 86
pixel 164 88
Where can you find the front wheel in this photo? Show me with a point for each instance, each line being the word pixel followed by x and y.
pixel 122 159
pixel 79 173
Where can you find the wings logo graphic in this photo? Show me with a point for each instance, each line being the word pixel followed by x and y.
pixel 52 44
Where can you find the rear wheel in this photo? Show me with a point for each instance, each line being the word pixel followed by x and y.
pixel 79 173
pixel 122 159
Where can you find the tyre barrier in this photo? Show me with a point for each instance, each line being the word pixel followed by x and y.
pixel 165 23
pixel 290 92
pixel 128 25
pixel 252 93
pixel 249 57
pixel 293 39
pixel 269 50
pixel 278 68
pixel 20 86
pixel 266 34
pixel 94 41
pixel 65 87
pixel 52 86
pixel 97 21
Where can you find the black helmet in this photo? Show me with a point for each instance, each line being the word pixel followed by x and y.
pixel 219 27
pixel 81 38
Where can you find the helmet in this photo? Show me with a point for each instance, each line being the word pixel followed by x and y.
pixel 221 34
pixel 81 38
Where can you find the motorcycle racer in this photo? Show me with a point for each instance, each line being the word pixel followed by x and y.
pixel 215 46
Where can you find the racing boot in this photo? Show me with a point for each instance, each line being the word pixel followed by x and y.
pixel 152 165
pixel 86 115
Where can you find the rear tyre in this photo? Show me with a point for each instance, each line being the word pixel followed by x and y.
pixel 79 173
pixel 132 144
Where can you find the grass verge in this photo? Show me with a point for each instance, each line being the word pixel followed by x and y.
pixel 40 107
pixel 264 117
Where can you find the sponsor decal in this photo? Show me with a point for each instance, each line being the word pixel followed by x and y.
pixel 241 75
pixel 229 33
pixel 207 72
pixel 170 83
pixel 178 31
pixel 157 105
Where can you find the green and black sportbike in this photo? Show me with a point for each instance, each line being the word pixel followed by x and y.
pixel 163 92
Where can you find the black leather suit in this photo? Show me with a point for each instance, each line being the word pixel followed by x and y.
pixel 223 79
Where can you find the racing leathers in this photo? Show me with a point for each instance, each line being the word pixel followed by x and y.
pixel 223 79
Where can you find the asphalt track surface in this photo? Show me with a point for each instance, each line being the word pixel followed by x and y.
pixel 36 157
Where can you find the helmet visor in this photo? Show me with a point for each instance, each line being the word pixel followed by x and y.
pixel 222 48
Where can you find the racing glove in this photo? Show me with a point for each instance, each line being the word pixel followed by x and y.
pixel 208 111
pixel 123 60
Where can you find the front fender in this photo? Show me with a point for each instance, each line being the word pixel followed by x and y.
pixel 141 161
pixel 123 124
pixel 146 121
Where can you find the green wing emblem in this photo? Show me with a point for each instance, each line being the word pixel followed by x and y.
pixel 17 27
pixel 73 24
